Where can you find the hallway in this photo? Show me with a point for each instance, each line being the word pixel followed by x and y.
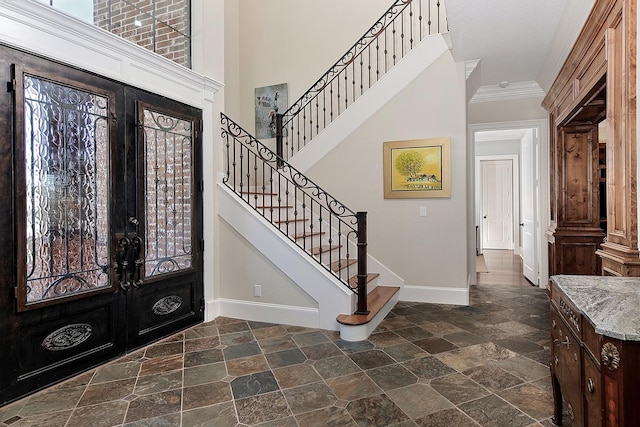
pixel 426 365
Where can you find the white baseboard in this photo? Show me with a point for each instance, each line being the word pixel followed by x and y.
pixel 261 312
pixel 211 311
pixel 435 295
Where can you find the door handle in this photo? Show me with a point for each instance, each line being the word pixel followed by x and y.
pixel 129 261
pixel 565 342
pixel 522 224
pixel 136 279
pixel 122 261
pixel 485 217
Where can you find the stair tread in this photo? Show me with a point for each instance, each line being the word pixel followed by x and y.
pixel 309 234
pixel 353 282
pixel 324 248
pixel 282 221
pixel 342 263
pixel 260 193
pixel 376 299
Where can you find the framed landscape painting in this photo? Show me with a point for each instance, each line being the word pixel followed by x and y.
pixel 417 169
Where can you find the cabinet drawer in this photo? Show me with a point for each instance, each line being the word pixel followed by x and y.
pixel 592 341
pixel 567 311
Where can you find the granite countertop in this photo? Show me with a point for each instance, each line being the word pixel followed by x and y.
pixel 612 304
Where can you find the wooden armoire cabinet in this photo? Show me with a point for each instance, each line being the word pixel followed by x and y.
pixel 594 173
pixel 577 234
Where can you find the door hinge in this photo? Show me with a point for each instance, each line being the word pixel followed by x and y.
pixel 202 304
pixel 201 185
pixel 12 85
pixel 15 292
pixel 202 245
pixel 198 127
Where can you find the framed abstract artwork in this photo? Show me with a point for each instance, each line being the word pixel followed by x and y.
pixel 269 101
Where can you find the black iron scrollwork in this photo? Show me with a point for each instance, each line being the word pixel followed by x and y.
pixel 129 261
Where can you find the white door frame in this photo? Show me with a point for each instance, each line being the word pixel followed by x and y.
pixel 542 214
pixel 515 198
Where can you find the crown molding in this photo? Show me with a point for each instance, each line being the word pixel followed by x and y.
pixel 470 66
pixel 571 23
pixel 517 90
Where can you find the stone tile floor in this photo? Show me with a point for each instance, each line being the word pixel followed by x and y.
pixel 426 365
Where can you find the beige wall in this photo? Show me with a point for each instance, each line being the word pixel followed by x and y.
pixel 243 266
pixel 273 48
pixel 424 251
pixel 506 111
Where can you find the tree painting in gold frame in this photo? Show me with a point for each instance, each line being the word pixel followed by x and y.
pixel 417 169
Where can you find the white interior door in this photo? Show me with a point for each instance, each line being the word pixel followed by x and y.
pixel 528 199
pixel 497 204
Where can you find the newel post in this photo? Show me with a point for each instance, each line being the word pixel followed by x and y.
pixel 279 143
pixel 362 263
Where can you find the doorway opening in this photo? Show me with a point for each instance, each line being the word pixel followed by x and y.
pixel 511 195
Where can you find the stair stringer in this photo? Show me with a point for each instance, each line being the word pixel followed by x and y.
pixel 400 76
pixel 332 297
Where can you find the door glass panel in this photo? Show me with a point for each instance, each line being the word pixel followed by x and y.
pixel 66 164
pixel 169 184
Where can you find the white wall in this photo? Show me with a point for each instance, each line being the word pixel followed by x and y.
pixel 427 252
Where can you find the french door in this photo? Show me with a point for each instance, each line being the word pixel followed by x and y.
pixel 102 245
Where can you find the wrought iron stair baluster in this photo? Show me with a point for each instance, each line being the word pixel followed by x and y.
pixel 291 192
pixel 400 18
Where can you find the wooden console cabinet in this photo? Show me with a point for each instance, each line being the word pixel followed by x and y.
pixel 595 351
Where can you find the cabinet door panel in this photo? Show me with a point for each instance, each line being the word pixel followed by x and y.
pixel 592 393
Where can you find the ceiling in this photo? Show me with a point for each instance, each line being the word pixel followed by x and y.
pixel 520 42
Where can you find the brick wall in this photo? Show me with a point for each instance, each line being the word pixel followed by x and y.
pixel 169 36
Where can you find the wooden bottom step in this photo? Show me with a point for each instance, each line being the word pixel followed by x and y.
pixel 376 300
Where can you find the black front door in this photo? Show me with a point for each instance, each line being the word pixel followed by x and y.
pixel 102 252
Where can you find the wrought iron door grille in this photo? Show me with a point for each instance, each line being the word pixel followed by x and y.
pixel 66 163
pixel 168 143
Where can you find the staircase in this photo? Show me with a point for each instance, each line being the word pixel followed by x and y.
pixel 318 242
pixel 293 221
